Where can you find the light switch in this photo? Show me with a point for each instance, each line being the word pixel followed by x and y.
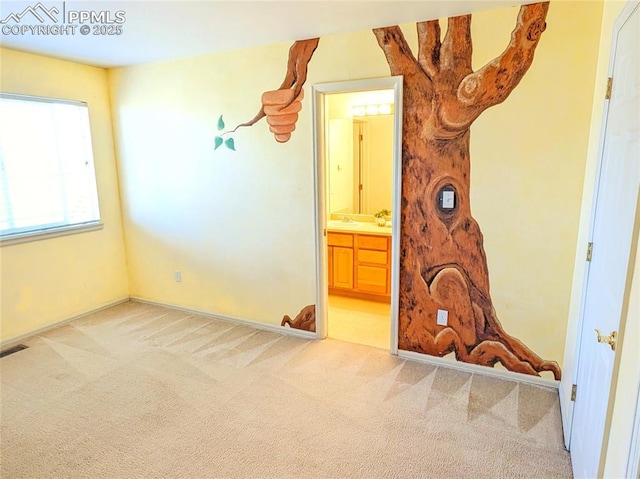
pixel 448 199
pixel 443 317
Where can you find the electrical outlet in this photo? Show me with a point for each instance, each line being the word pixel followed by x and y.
pixel 177 275
pixel 443 317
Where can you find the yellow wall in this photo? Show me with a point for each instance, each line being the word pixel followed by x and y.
pixel 527 168
pixel 51 280
pixel 239 225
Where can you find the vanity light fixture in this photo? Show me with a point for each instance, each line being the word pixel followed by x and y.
pixel 358 110
pixel 385 109
pixel 372 109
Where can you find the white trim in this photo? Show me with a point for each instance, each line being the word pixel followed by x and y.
pixel 245 322
pixel 482 370
pixel 633 463
pixel 41 99
pixel 322 291
pixel 319 92
pixel 395 225
pixel 566 412
pixel 21 337
pixel 38 235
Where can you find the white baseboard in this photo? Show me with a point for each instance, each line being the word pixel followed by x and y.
pixel 21 337
pixel 245 322
pixel 566 410
pixel 484 370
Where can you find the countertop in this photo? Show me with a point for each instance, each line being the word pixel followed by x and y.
pixel 364 227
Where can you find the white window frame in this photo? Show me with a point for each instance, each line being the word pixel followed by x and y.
pixel 41 232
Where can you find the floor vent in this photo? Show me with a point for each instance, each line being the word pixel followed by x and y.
pixel 12 350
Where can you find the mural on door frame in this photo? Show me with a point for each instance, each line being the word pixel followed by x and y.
pixel 443 263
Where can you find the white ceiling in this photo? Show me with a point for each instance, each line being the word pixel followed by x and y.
pixel 163 30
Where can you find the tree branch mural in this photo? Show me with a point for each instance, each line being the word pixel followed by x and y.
pixel 443 262
pixel 281 106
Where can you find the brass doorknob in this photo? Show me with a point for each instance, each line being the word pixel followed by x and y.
pixel 611 340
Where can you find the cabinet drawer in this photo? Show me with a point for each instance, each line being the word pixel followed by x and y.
pixel 371 256
pixel 340 239
pixel 372 242
pixel 372 279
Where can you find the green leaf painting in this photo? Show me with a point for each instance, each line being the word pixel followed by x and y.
pixel 220 138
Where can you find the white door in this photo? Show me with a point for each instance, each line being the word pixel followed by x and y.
pixel 612 230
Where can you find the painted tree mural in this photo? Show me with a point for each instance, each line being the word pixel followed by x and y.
pixel 442 260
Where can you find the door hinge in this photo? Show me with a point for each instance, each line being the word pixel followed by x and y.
pixel 574 389
pixel 589 251
pixel 609 85
pixel 360 187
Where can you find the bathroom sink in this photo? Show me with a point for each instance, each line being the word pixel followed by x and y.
pixel 342 224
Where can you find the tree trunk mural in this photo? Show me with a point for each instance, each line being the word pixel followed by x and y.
pixel 442 259
pixel 443 263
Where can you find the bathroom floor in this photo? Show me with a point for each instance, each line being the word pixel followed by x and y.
pixel 360 321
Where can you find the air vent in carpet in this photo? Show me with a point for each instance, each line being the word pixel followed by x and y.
pixel 12 350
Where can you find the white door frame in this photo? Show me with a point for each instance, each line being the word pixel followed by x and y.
pixel 319 92
pixel 633 463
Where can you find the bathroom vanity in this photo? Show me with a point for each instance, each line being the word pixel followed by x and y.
pixel 359 261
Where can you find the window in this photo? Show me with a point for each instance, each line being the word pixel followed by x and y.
pixel 47 179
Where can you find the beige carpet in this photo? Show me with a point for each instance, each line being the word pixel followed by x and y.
pixel 140 391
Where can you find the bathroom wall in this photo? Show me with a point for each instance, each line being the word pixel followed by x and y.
pixel 377 154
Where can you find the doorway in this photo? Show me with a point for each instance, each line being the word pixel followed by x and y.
pixel 612 249
pixel 357 127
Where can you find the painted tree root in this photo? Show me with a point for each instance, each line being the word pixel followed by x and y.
pixel 305 320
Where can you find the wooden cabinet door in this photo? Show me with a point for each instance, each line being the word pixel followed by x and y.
pixel 342 267
pixel 330 266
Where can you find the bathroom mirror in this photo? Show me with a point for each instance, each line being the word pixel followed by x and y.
pixel 359 146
